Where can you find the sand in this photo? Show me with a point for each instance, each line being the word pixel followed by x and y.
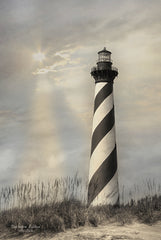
pixel 134 231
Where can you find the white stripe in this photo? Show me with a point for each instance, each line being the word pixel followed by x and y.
pixel 109 194
pixel 99 86
pixel 102 151
pixel 102 111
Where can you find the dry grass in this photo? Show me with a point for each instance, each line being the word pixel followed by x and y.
pixel 61 204
pixel 42 192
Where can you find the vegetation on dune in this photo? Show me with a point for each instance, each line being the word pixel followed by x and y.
pixel 25 194
pixel 61 204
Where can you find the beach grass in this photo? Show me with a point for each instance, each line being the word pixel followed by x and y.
pixel 59 204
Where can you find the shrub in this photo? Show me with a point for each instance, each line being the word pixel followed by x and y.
pixel 49 221
pixel 73 213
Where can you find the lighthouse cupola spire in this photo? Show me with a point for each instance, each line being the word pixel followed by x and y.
pixel 103 180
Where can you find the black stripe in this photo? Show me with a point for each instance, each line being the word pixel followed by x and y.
pixel 102 94
pixel 102 129
pixel 102 176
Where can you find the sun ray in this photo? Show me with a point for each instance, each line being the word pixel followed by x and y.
pixel 39 56
pixel 43 156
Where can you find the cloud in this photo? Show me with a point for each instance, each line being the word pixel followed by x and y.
pixel 64 59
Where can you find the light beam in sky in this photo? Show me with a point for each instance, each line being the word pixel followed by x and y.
pixel 39 56
pixel 43 156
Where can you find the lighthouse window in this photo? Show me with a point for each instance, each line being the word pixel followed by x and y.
pixel 104 57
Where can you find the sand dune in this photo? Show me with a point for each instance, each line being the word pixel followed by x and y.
pixel 134 231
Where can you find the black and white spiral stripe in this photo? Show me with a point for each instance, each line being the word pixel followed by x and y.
pixel 103 180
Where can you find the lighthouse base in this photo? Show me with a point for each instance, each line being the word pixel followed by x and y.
pixel 109 194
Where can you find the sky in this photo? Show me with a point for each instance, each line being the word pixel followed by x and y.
pixel 47 49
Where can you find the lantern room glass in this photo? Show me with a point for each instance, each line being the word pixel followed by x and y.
pixel 104 57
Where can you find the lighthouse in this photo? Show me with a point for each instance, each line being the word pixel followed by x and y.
pixel 103 175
